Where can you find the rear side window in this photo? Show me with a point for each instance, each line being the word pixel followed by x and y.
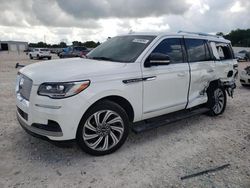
pixel 171 47
pixel 197 50
pixel 224 51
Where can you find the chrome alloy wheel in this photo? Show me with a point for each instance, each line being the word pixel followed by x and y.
pixel 103 130
pixel 219 99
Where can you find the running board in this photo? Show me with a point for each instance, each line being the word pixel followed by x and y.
pixel 152 123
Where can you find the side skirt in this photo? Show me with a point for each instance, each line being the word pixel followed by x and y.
pixel 152 123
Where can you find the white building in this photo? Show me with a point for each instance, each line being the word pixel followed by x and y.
pixel 13 45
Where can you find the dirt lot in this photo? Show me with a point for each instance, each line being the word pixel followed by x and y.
pixel 157 158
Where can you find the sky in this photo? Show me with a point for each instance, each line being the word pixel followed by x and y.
pixel 54 21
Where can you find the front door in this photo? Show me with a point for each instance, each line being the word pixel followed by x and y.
pixel 166 86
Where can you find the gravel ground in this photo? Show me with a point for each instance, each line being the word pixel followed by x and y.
pixel 157 158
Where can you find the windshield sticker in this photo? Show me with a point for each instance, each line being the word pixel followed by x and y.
pixel 143 41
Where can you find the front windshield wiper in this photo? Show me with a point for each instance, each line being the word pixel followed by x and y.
pixel 103 58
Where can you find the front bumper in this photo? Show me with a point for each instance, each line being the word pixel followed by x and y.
pixel 56 120
pixel 37 131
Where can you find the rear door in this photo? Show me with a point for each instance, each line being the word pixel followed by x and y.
pixel 166 86
pixel 202 68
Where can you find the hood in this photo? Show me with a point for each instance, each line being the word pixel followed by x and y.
pixel 71 69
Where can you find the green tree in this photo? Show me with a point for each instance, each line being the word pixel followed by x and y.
pixel 239 37
pixel 220 34
pixel 62 45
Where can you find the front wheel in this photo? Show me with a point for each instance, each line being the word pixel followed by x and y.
pixel 103 129
pixel 217 100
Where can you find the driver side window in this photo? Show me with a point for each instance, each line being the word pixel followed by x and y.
pixel 171 47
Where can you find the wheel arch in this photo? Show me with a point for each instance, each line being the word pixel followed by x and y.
pixel 124 103
pixel 215 83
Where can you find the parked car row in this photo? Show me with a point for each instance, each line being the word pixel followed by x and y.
pixel 41 53
pixel 75 51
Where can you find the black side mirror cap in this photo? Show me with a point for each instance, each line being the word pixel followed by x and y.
pixel 156 59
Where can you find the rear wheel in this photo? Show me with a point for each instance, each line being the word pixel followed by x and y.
pixel 49 58
pixel 103 129
pixel 217 100
pixel 31 56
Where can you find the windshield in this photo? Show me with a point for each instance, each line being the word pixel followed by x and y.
pixel 121 48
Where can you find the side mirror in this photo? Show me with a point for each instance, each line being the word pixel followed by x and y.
pixel 156 59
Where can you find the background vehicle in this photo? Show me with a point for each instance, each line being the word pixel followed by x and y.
pixel 76 51
pixel 40 53
pixel 27 51
pixel 242 55
pixel 245 77
pixel 138 81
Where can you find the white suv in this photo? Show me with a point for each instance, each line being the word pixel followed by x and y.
pixel 137 81
pixel 40 53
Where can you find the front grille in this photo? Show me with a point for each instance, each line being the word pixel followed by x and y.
pixel 25 85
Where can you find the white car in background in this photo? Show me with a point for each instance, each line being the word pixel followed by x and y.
pixel 245 76
pixel 137 81
pixel 40 53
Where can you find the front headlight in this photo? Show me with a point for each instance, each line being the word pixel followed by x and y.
pixel 59 90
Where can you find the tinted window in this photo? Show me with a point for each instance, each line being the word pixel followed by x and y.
pixel 197 50
pixel 172 48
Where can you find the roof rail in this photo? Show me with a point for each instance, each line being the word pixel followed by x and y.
pixel 200 34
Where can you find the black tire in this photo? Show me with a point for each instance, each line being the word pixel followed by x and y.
pixel 38 57
pixel 103 108
pixel 244 85
pixel 31 56
pixel 49 58
pixel 216 103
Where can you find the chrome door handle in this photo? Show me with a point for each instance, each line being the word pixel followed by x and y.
pixel 149 78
